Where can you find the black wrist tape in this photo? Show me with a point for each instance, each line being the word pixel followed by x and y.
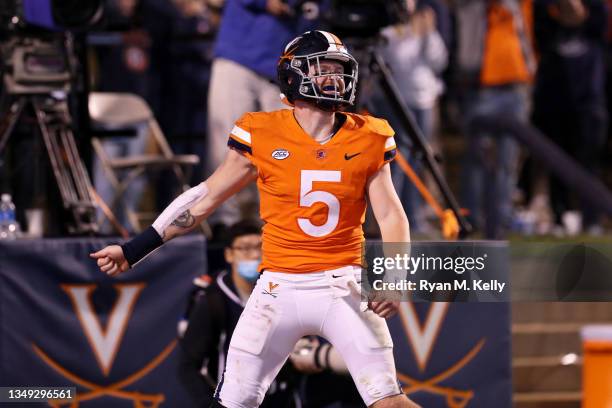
pixel 141 245
pixel 317 359
pixel 327 353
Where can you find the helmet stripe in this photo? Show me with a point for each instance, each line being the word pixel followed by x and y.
pixel 333 44
pixel 295 40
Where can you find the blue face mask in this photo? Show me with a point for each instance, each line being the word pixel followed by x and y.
pixel 248 269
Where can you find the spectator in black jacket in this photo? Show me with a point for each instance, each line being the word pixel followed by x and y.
pixel 569 95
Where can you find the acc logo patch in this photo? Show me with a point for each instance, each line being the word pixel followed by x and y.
pixel 280 154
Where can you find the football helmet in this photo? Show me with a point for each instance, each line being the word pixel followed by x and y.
pixel 300 72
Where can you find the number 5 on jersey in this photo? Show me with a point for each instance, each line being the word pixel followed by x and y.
pixel 308 198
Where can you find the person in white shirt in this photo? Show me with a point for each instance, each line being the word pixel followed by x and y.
pixel 417 55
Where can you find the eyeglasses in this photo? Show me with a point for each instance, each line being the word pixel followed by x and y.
pixel 247 248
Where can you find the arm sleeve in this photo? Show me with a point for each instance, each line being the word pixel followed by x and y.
pixel 240 137
pixel 194 349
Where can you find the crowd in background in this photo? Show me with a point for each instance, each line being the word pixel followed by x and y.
pixel 200 64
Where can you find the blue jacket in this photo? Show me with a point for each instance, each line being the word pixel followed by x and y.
pixel 252 37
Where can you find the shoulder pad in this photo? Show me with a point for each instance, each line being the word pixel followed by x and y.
pixel 259 120
pixel 372 124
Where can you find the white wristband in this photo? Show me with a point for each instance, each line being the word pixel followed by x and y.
pixel 177 207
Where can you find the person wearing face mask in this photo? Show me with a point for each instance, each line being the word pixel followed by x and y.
pixel 212 313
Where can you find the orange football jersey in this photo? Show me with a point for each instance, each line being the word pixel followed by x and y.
pixel 312 195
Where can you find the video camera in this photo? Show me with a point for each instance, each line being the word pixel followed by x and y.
pixel 41 66
pixel 363 18
pixel 34 51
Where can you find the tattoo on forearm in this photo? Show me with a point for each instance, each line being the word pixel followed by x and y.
pixel 185 220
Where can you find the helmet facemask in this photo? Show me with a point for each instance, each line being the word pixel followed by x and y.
pixel 329 91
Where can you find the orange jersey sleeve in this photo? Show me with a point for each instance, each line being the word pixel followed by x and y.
pixel 240 137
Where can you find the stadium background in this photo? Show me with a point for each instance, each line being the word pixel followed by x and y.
pixel 448 354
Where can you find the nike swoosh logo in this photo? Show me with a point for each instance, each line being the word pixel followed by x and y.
pixel 347 157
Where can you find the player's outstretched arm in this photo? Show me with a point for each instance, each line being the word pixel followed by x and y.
pixel 183 215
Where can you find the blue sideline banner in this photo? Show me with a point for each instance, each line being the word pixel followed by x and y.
pixel 64 323
pixel 454 355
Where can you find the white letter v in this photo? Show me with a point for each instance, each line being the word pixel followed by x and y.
pixel 422 337
pixel 104 342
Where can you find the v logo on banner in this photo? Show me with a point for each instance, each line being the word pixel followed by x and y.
pixel 422 338
pixel 104 341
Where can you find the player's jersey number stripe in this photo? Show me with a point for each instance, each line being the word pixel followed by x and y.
pixel 308 197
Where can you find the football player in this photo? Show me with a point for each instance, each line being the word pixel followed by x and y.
pixel 314 166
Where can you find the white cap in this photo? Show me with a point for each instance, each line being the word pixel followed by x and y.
pixel 6 197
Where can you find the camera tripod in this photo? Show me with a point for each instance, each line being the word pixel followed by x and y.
pixel 39 73
pixel 377 70
pixel 55 125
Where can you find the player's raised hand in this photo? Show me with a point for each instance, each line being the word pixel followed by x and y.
pixel 111 260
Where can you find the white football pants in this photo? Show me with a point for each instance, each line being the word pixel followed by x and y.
pixel 285 307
